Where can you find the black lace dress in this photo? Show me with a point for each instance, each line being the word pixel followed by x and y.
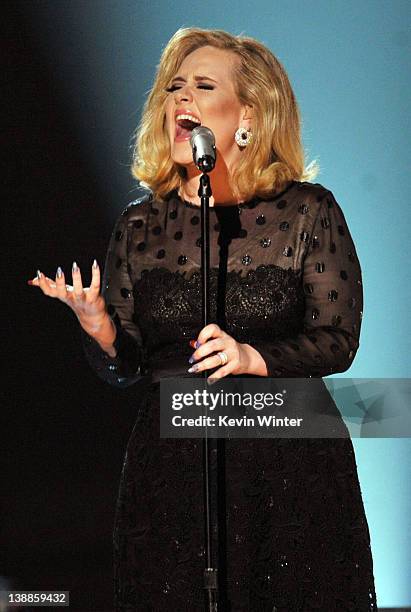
pixel 285 279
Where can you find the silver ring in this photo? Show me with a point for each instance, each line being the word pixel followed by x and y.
pixel 223 357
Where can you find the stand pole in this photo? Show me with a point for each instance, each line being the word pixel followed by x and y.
pixel 209 444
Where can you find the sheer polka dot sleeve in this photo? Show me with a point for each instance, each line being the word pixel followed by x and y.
pixel 332 283
pixel 129 365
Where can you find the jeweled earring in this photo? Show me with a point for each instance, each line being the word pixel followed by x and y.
pixel 243 137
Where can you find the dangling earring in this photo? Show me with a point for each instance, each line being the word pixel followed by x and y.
pixel 243 137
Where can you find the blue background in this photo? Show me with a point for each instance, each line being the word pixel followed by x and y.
pixel 349 65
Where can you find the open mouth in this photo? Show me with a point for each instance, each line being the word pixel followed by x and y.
pixel 185 124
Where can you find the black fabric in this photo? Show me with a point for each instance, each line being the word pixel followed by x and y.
pixel 285 278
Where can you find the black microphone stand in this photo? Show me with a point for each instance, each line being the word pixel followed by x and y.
pixel 209 444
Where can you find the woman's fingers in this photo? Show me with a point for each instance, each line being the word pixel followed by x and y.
pixel 66 293
pixel 212 346
pixel 94 289
pixel 35 280
pixel 61 289
pixel 47 286
pixel 77 282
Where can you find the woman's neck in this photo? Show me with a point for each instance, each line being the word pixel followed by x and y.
pixel 222 194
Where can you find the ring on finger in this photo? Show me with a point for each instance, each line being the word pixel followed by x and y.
pixel 223 357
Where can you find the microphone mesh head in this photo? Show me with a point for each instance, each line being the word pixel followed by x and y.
pixel 202 131
pixel 202 142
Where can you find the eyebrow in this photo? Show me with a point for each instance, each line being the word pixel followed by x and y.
pixel 196 78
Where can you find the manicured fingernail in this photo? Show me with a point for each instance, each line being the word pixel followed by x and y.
pixel 211 381
pixel 59 273
pixel 95 264
pixel 75 267
pixel 191 360
pixel 39 274
pixel 194 344
pixel 193 368
pixel 30 282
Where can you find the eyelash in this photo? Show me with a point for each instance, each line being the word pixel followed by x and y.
pixel 175 87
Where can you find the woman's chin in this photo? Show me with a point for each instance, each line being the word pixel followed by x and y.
pixel 184 159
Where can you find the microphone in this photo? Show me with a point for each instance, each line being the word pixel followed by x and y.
pixel 203 144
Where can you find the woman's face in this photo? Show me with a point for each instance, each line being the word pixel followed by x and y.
pixel 204 89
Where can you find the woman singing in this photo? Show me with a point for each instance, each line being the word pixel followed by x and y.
pixel 286 301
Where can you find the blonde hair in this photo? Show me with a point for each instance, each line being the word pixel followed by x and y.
pixel 275 155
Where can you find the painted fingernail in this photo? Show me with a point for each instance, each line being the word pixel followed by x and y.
pixel 191 360
pixel 211 381
pixel 95 264
pixel 192 343
pixel 193 368
pixel 39 275
pixel 75 267
pixel 30 282
pixel 59 272
pixel 197 344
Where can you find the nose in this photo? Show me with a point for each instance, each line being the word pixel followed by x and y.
pixel 183 94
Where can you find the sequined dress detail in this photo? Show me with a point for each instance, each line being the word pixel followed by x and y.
pixel 285 278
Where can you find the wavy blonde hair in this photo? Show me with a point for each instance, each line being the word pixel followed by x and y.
pixel 275 155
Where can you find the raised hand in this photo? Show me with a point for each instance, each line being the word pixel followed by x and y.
pixel 86 302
